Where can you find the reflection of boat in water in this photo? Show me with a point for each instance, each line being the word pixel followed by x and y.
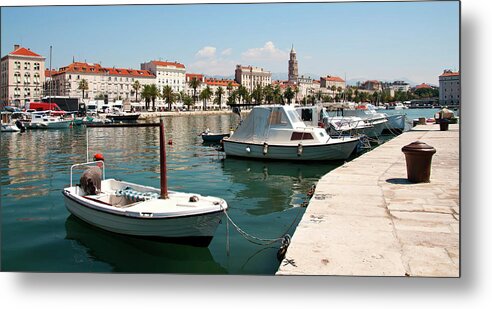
pixel 272 186
pixel 140 255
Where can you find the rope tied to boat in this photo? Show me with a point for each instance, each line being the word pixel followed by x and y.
pixel 252 238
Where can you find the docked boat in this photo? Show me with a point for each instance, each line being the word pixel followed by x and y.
pixel 132 209
pixel 211 137
pixel 120 116
pixel 277 132
pixel 9 124
pixel 43 120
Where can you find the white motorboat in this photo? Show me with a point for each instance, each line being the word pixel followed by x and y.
pixel 277 132
pixel 43 120
pixel 317 116
pixel 379 121
pixel 8 124
pixel 132 209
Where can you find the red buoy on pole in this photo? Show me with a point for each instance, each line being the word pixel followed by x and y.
pixel 162 142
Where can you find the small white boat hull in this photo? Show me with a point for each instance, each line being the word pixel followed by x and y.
pixel 174 218
pixel 320 152
pixel 396 122
pixel 10 128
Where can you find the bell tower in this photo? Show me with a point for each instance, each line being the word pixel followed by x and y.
pixel 293 69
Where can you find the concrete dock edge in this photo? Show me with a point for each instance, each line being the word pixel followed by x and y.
pixel 366 219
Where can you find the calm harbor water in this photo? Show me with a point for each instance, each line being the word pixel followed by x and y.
pixel 39 234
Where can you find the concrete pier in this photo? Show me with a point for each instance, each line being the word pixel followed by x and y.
pixel 366 219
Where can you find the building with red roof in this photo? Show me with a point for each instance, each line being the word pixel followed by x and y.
pixel 22 76
pixel 167 73
pixel 115 83
pixel 423 86
pixel 329 81
pixel 450 88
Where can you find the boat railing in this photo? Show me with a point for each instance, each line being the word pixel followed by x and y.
pixel 85 164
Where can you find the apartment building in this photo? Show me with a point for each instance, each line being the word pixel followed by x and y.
pixel 167 73
pixel 449 88
pixel 22 76
pixel 115 83
pixel 250 77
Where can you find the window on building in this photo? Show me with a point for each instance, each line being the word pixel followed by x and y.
pixel 17 77
pixel 36 79
pixel 27 92
pixel 27 78
pixel 36 66
pixel 27 65
pixel 17 65
pixel 17 92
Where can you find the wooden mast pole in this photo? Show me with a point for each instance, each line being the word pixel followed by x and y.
pixel 162 141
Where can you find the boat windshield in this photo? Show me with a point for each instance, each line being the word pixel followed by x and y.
pixel 294 116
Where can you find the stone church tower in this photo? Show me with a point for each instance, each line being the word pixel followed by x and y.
pixel 293 69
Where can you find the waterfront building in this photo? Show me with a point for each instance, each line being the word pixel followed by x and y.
pixel 214 84
pixel 371 85
pixel 250 77
pixel 111 83
pixel 189 90
pixel 449 88
pixel 423 86
pixel 330 81
pixel 293 68
pixel 22 76
pixel 167 73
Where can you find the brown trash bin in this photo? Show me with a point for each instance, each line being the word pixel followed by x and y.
pixel 418 156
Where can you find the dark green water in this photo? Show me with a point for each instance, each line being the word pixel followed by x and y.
pixel 39 234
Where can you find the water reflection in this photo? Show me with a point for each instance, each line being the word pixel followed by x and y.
pixel 139 255
pixel 274 186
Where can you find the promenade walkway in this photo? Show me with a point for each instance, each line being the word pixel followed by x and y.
pixel 366 219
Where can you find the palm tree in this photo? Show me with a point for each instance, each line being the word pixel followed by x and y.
pixel 339 90
pixel 277 94
pixel 136 86
pixel 83 85
pixel 242 93
pixel 205 96
pixel 168 95
pixel 219 93
pixel 333 88
pixel 154 93
pixel 194 83
pixel 289 94
pixel 187 100
pixel 146 95
pixel 258 94
pixel 268 92
pixel 296 91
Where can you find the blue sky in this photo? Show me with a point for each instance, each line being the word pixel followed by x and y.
pixel 386 41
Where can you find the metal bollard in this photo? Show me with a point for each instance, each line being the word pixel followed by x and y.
pixel 418 156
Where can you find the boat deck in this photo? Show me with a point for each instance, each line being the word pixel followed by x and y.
pixel 366 219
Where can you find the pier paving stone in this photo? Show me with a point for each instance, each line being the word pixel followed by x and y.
pixel 367 219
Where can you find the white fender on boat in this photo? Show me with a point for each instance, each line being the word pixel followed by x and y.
pixel 248 150
pixel 265 148
pixel 299 150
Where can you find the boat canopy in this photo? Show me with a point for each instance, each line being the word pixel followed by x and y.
pixel 262 119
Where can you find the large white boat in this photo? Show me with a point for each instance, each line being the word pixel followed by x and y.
pixel 43 120
pixel 132 209
pixel 277 132
pixel 394 122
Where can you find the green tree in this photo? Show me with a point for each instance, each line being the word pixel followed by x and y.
pixel 136 87
pixel 277 95
pixel 168 95
pixel 258 94
pixel 205 95
pixel 187 100
pixel 333 89
pixel 146 95
pixel 154 93
pixel 218 94
pixel 229 88
pixel 242 93
pixel 296 91
pixel 289 94
pixel 194 83
pixel 83 85
pixel 268 92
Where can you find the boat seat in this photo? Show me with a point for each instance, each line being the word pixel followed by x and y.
pixel 136 196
